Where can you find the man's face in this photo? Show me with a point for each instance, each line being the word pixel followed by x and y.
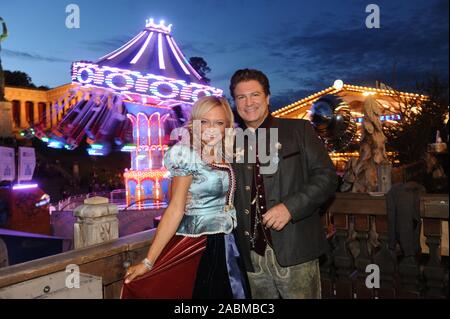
pixel 251 102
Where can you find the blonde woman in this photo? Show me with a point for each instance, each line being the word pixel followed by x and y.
pixel 193 254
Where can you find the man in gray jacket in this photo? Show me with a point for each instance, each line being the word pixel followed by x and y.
pixel 279 233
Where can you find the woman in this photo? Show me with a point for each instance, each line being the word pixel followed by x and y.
pixel 193 253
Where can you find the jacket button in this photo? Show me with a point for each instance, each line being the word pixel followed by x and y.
pixel 247 188
pixel 246 211
pixel 246 233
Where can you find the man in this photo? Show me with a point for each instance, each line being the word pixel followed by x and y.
pixel 279 232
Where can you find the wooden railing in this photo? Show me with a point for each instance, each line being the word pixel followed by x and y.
pixel 106 260
pixel 357 225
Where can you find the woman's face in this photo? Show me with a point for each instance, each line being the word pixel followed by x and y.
pixel 213 124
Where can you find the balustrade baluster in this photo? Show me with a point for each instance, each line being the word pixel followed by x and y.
pixel 434 270
pixel 362 227
pixel 385 260
pixel 343 260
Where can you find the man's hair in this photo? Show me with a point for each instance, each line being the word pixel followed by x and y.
pixel 248 75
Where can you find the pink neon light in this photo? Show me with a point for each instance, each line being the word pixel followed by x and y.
pixel 169 39
pixel 120 47
pixel 24 186
pixel 158 118
pixel 129 45
pixel 181 54
pixel 149 140
pixel 158 27
pixel 160 53
pixel 138 83
pixel 141 51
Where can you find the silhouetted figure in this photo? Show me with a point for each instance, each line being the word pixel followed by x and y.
pixel 3 36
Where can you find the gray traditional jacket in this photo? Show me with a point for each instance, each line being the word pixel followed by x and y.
pixel 304 180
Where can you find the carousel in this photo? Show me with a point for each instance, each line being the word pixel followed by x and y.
pixel 130 100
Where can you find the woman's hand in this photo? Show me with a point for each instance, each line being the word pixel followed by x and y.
pixel 135 271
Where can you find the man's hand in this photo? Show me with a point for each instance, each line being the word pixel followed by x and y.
pixel 277 217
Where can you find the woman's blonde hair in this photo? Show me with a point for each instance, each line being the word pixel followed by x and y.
pixel 206 104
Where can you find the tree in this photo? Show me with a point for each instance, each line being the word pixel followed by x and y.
pixel 201 66
pixel 18 78
pixel 419 122
pixel 21 79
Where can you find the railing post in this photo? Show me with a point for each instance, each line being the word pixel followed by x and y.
pixel 343 261
pixel 326 267
pixel 385 260
pixel 96 222
pixel 434 270
pixel 362 227
pixel 409 278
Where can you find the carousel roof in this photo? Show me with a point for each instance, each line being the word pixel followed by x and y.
pixel 152 51
pixel 340 88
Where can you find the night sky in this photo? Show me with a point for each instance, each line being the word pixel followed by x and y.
pixel 303 46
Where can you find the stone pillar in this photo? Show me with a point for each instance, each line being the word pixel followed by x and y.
pixel 6 119
pixel 96 222
pixel 54 112
pixel 35 113
pixel 48 115
pixel 66 105
pixel 23 114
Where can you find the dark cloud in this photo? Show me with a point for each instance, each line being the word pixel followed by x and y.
pixel 286 97
pixel 32 56
pixel 106 45
pixel 405 50
pixel 204 48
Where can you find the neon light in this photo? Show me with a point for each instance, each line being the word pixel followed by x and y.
pixel 120 47
pixel 149 23
pixel 94 152
pixel 128 148
pixel 141 51
pixel 80 75
pixel 44 200
pixel 55 144
pixel 383 118
pixel 169 40
pixel 109 81
pixel 154 89
pixel 181 54
pixel 24 186
pixel 142 175
pixel 99 77
pixel 138 83
pixel 162 66
pixel 197 92
pixel 97 146
pixel 139 36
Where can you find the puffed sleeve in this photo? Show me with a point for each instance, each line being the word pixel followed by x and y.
pixel 181 160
